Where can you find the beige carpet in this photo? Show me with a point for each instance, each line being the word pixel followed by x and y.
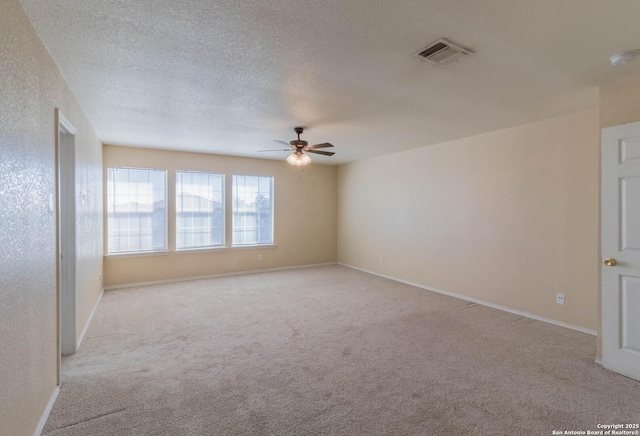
pixel 328 350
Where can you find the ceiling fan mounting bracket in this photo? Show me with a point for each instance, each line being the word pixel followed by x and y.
pixel 299 144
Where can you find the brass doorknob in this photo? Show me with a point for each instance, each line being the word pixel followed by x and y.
pixel 610 262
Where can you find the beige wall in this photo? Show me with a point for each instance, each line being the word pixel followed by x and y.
pixel 304 227
pixel 508 217
pixel 31 88
pixel 620 102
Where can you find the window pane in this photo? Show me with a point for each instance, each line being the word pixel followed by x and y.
pixel 136 210
pixel 252 210
pixel 199 210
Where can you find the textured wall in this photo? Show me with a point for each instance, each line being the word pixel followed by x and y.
pixel 509 217
pixel 304 228
pixel 89 224
pixel 31 87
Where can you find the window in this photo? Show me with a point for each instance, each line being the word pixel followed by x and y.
pixel 199 210
pixel 252 210
pixel 136 210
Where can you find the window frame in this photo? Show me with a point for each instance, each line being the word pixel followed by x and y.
pixel 161 251
pixel 220 246
pixel 272 243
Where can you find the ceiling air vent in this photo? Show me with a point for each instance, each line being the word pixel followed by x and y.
pixel 442 52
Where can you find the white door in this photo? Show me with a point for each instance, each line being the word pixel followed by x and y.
pixel 621 249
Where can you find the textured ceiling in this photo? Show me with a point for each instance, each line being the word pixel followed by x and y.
pixel 229 76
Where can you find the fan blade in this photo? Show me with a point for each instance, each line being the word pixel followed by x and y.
pixel 323 145
pixel 283 143
pixel 288 149
pixel 325 153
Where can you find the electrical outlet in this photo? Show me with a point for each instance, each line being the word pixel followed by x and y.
pixel 381 259
pixel 560 298
pixel 259 256
pixel 99 279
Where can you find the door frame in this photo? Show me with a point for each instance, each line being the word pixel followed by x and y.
pixel 65 235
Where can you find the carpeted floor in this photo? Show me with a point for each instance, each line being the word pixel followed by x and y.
pixel 328 351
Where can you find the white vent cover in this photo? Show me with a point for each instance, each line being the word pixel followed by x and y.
pixel 442 52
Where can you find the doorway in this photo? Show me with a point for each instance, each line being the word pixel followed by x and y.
pixel 66 216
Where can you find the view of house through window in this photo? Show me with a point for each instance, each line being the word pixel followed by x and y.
pixel 252 210
pixel 136 210
pixel 199 210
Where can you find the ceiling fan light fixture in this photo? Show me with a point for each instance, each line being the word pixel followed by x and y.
pixel 299 159
pixel 292 158
pixel 624 57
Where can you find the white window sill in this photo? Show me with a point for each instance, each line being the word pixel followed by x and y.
pixel 138 254
pixel 201 250
pixel 188 250
pixel 242 247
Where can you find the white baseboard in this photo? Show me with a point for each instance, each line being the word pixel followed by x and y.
pixel 213 276
pixel 475 300
pixel 598 361
pixel 86 325
pixel 47 411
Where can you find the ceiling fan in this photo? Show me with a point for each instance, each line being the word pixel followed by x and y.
pixel 300 148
